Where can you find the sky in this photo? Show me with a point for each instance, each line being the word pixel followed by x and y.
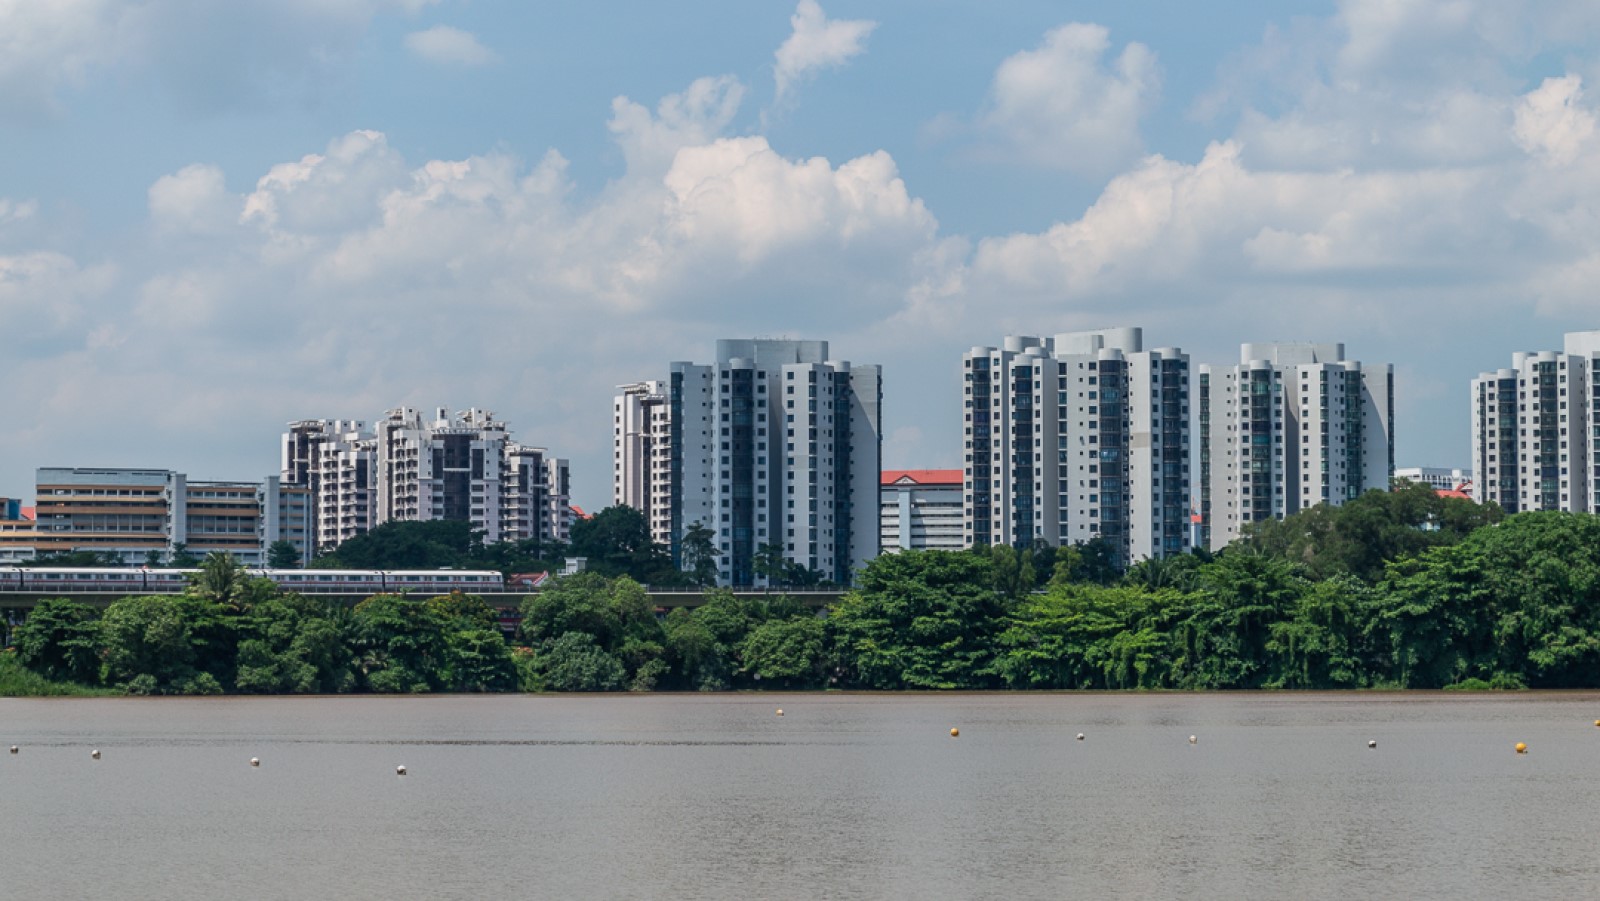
pixel 216 218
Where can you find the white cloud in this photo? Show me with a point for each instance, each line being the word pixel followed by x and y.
pixel 449 46
pixel 193 199
pixel 816 43
pixel 1551 123
pixel 1062 105
pixel 695 116
pixel 275 48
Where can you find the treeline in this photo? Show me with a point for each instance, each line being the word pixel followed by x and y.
pixel 231 633
pixel 1393 590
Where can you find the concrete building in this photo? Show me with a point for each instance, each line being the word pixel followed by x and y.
pixel 335 460
pixel 1076 438
pixel 775 444
pixel 408 468
pixel 1439 478
pixel 1289 427
pixel 922 510
pixel 1534 445
pixel 447 468
pixel 137 515
pixel 642 454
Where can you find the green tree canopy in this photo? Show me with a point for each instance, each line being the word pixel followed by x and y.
pixel 920 619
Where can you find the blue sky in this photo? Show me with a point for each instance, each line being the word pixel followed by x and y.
pixel 215 218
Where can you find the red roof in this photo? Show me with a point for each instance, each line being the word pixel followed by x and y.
pixel 29 512
pixel 1452 492
pixel 577 511
pixel 921 477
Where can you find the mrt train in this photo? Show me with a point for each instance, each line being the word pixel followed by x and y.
pixel 305 581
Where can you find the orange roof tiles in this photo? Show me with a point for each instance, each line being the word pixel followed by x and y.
pixel 921 477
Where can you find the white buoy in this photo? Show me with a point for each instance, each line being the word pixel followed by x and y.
pixel 95 754
pixel 780 711
pixel 400 771
pixel 1080 736
pixel 255 761
pixel 13 749
pixel 1193 739
pixel 1372 744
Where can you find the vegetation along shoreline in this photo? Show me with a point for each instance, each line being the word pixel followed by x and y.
pixel 1394 590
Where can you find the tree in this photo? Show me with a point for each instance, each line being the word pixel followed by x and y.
pixel 282 554
pixel 401 642
pixel 616 542
pixel 150 647
pixel 60 639
pixel 698 553
pixel 786 652
pixel 1515 604
pixel 429 544
pixel 221 579
pixel 920 619
pixel 574 662
pixel 770 563
pixel 1363 536
pixel 615 614
pixel 289 643
pixel 181 558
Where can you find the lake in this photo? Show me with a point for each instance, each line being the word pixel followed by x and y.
pixel 844 796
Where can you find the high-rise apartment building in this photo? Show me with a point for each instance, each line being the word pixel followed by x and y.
pixel 1076 438
pixel 336 461
pixel 408 468
pixel 1534 445
pixel 1291 426
pixel 775 445
pixel 641 469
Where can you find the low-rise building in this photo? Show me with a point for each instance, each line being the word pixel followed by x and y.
pixel 921 510
pixel 138 516
pixel 1439 478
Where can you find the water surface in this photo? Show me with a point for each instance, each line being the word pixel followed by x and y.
pixel 845 796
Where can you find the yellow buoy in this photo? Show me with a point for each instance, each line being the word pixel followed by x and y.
pixel 1522 748
pixel 955 733
pixel 780 711
pixel 95 754
pixel 1597 724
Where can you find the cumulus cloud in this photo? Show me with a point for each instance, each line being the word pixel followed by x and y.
pixel 817 43
pixel 449 46
pixel 1551 123
pixel 694 116
pixel 1064 105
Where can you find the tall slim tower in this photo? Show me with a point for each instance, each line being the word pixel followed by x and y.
pixel 1076 438
pixel 1533 440
pixel 1291 426
pixel 642 454
pixel 775 445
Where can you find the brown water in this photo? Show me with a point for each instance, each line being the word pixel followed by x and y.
pixel 845 796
